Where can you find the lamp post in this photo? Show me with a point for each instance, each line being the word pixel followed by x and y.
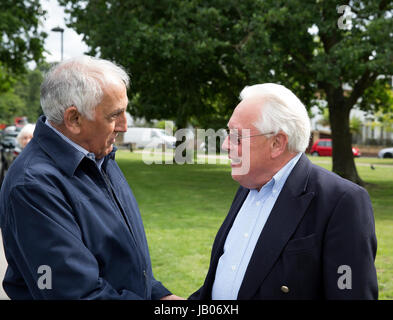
pixel 61 30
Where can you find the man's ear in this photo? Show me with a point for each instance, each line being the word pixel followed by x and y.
pixel 279 144
pixel 72 120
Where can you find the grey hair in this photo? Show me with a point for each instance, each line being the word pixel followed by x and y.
pixel 282 111
pixel 78 82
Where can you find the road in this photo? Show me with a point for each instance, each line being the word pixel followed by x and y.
pixel 3 267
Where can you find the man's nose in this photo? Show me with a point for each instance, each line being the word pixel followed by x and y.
pixel 121 124
pixel 225 144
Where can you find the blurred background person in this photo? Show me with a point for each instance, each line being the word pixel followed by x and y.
pixel 25 135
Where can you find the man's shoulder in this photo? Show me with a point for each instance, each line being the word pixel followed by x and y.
pixel 32 167
pixel 326 180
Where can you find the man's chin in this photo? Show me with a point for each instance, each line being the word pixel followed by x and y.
pixel 238 177
pixel 104 153
pixel 109 150
pixel 244 179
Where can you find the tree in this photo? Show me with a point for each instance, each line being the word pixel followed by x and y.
pixel 20 40
pixel 328 59
pixel 189 59
pixel 180 68
pixel 28 89
pixel 23 99
pixel 10 106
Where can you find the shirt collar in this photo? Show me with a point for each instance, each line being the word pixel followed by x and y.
pixel 281 176
pixel 88 154
pixel 278 180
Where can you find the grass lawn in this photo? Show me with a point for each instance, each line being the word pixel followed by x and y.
pixel 183 206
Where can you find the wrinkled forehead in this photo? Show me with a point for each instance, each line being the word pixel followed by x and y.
pixel 247 112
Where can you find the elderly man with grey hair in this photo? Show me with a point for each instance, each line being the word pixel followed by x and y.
pixel 70 223
pixel 294 230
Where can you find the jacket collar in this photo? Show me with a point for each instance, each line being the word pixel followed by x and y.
pixel 61 152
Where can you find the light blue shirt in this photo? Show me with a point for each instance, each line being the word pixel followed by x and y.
pixel 244 234
pixel 77 146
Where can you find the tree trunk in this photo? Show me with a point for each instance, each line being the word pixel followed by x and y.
pixel 343 160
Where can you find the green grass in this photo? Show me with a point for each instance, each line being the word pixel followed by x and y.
pixel 183 206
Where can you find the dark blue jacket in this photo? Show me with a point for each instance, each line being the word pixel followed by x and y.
pixel 58 211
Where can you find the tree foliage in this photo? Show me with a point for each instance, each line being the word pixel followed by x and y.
pixel 189 59
pixel 23 99
pixel 11 105
pixel 180 53
pixel 20 40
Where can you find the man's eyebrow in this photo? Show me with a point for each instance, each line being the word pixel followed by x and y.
pixel 117 111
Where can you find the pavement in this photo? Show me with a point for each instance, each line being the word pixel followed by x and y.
pixel 3 267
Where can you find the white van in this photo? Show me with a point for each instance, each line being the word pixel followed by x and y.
pixel 148 137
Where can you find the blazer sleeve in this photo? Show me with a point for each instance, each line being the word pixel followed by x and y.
pixel 42 231
pixel 350 248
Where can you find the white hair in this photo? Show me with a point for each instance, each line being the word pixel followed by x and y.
pixel 78 82
pixel 282 111
pixel 27 129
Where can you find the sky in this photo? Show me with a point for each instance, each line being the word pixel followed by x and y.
pixel 73 43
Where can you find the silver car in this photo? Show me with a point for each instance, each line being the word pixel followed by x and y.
pixel 385 153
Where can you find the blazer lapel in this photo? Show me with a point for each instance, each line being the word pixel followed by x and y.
pixel 281 224
pixel 218 246
pixel 228 222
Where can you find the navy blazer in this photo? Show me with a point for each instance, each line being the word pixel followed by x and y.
pixel 70 232
pixel 319 242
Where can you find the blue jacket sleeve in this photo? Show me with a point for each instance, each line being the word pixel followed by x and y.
pixel 42 231
pixel 158 290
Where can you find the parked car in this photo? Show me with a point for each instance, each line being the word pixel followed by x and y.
pixel 148 137
pixel 323 147
pixel 385 153
pixel 9 149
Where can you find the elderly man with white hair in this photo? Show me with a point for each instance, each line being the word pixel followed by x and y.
pixel 70 223
pixel 294 230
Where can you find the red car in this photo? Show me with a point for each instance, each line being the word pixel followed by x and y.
pixel 323 147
